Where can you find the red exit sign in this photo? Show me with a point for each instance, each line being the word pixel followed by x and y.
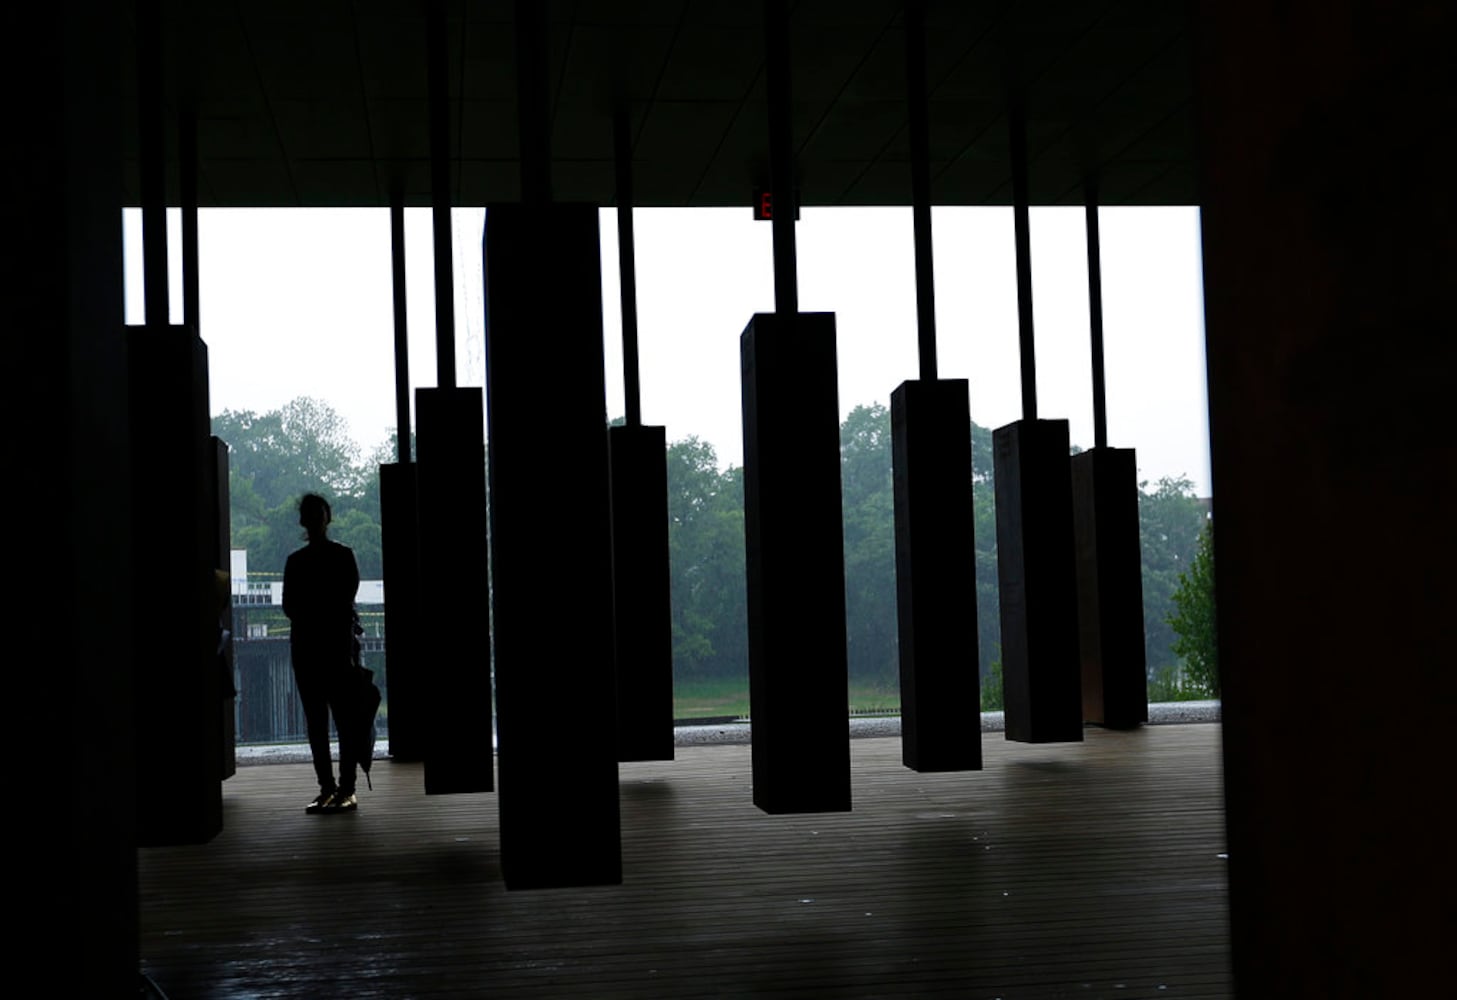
pixel 764 205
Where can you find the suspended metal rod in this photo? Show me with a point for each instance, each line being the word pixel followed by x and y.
pixel 402 336
pixel 916 98
pixel 627 266
pixel 436 61
pixel 1095 315
pixel 781 156
pixel 151 161
pixel 1024 257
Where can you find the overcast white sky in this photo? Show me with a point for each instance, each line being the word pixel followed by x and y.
pixel 298 302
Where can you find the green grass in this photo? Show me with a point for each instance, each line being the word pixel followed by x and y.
pixel 716 698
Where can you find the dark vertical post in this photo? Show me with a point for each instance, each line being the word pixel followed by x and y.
pixel 1330 388
pixel 1023 230
pixel 1095 315
pixel 187 175
pixel 402 327
pixel 781 156
pixel 437 65
pixel 544 272
pixel 1106 539
pixel 453 648
pixel 551 547
pixel 642 610
pixel 400 535
pixel 795 564
pixel 934 549
pixel 220 508
pixel 62 288
pixel 151 161
pixel 1035 563
pixel 533 100
pixel 919 114
pixel 627 266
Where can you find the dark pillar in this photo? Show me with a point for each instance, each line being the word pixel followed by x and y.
pixel 1328 306
pixel 453 642
pixel 399 537
pixel 66 400
pixel 935 564
pixel 935 557
pixel 220 508
pixel 1035 563
pixel 179 733
pixel 551 547
pixel 799 703
pixel 1110 587
pixel 1106 545
pixel 179 791
pixel 1038 590
pixel 642 609
pixel 399 540
pixel 641 605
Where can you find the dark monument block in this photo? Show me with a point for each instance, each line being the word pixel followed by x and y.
pixel 222 531
pixel 399 538
pixel 1110 587
pixel 551 547
pixel 642 612
pixel 1038 583
pixel 799 703
pixel 179 732
pixel 453 663
pixel 935 569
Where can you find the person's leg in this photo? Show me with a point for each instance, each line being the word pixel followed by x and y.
pixel 315 700
pixel 339 705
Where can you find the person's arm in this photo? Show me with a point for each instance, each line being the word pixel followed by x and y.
pixel 290 588
pixel 353 575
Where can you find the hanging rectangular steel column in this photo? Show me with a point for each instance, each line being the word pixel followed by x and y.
pixel 1035 568
pixel 1106 536
pixel 935 569
pixel 1110 587
pixel 551 547
pixel 178 721
pixel 454 637
pixel 399 533
pixel 935 556
pixel 793 534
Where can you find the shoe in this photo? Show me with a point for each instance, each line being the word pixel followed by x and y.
pixel 341 801
pixel 319 803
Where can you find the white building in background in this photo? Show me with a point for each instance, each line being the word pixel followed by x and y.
pixel 271 592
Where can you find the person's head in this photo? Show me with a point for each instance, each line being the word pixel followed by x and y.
pixel 314 514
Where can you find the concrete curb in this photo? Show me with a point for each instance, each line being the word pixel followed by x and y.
pixel 738 731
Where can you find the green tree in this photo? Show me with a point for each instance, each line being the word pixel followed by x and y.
pixel 706 563
pixel 1193 619
pixel 276 457
pixel 868 513
pixel 1170 518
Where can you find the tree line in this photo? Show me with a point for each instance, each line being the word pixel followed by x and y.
pixel 278 455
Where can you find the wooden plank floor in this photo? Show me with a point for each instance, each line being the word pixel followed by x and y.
pixel 1078 870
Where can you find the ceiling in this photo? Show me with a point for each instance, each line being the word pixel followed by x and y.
pixel 324 103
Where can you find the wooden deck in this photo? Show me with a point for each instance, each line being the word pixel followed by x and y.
pixel 1079 870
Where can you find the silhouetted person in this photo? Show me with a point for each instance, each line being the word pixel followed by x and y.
pixel 319 584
